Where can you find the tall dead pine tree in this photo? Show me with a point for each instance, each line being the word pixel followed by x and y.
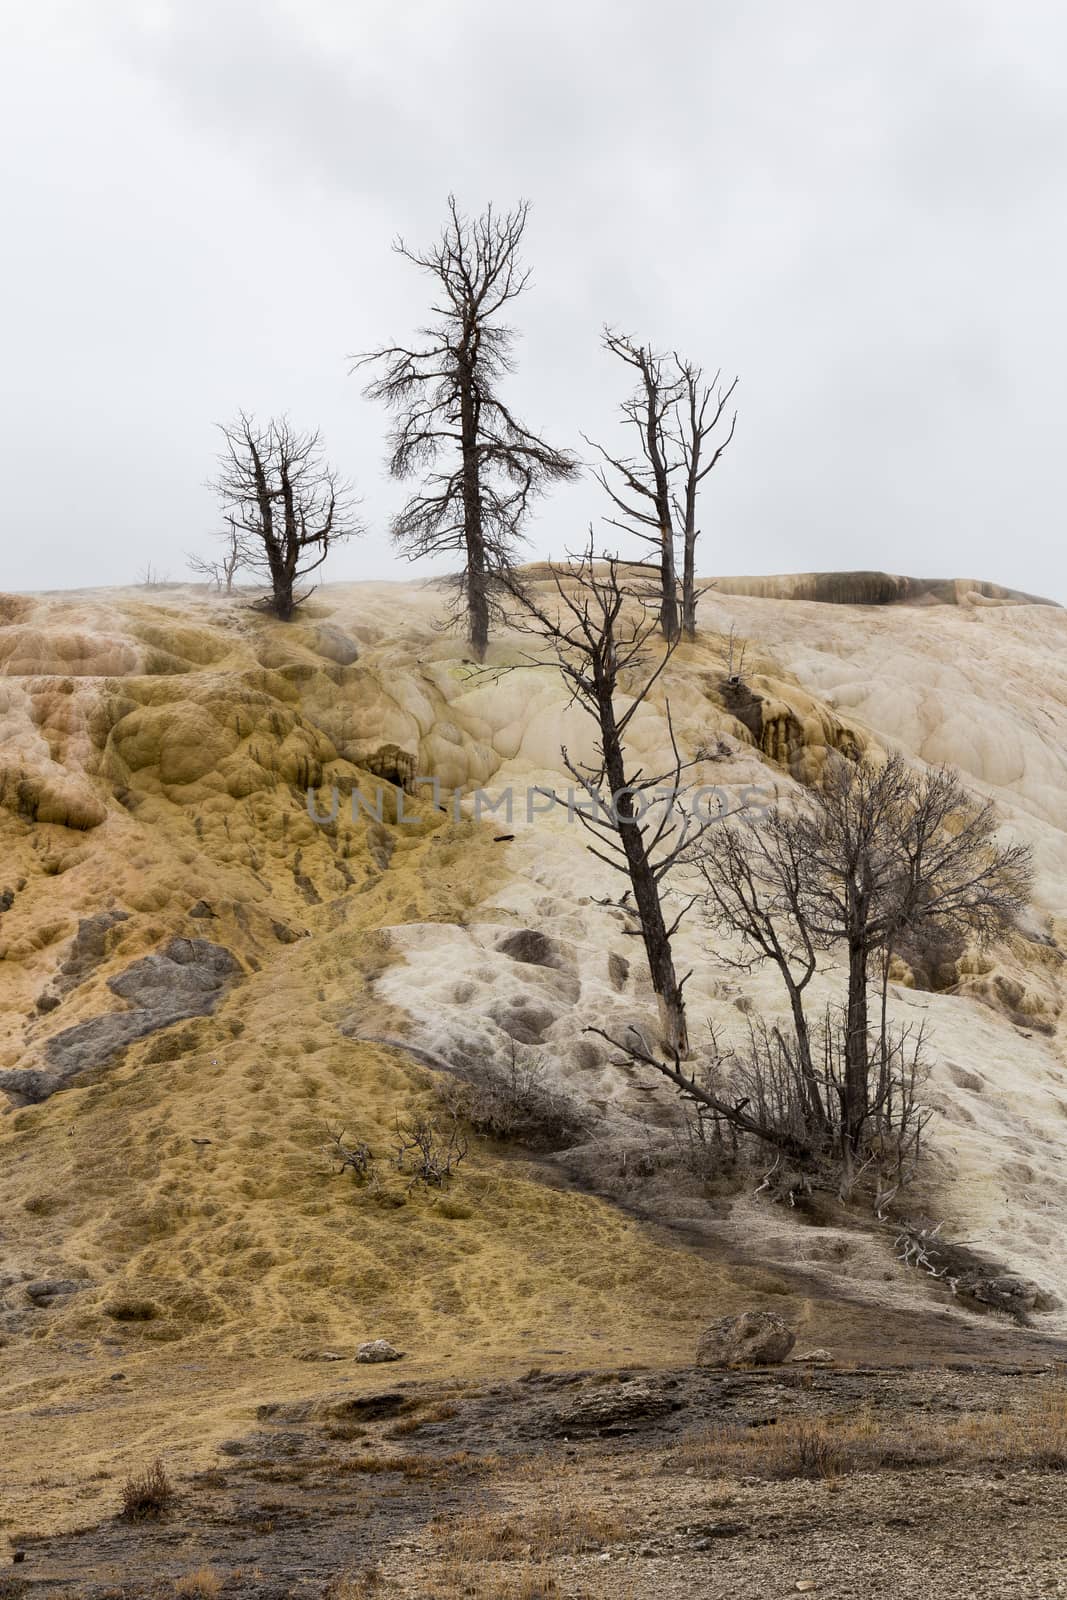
pixel 698 411
pixel 602 638
pixel 639 485
pixel 673 415
pixel 482 466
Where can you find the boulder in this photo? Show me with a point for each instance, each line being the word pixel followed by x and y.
pixel 378 1350
pixel 756 1338
pixel 44 1292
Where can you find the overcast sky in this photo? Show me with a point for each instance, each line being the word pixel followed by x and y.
pixel 858 209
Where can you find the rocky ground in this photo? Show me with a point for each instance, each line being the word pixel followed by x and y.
pixel 808 1477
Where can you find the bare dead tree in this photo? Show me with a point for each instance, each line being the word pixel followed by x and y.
pixel 482 466
pixel 674 416
pixel 698 412
pixel 755 881
pixel 735 658
pixel 602 638
pixel 642 495
pixel 285 506
pixel 878 850
pixel 887 850
pixel 151 578
pixel 223 569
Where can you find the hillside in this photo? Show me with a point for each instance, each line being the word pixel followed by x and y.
pixel 198 980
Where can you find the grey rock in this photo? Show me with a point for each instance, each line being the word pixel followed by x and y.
pixel 44 1292
pixel 331 642
pixel 530 946
pixel 755 1338
pixel 187 975
pixel 613 1408
pixel 1007 1292
pixel 718 1530
pixel 186 979
pixel 89 946
pixel 378 1350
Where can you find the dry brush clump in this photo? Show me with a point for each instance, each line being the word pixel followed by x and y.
pixel 516 1104
pixel 148 1493
pixel 522 1580
pixel 202 1584
pixel 413 1467
pixel 566 1527
pixel 428 1153
pixel 425 1152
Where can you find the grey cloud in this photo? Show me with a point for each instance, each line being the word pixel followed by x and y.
pixel 855 209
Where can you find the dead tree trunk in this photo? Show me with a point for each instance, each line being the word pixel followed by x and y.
pixel 599 634
pixel 639 487
pixel 857 1047
pixel 643 879
pixel 476 574
pixel 697 414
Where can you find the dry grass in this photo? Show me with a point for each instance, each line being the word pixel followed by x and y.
pixel 567 1527
pixel 444 1411
pixel 356 1586
pixel 203 1584
pixel 528 1580
pixel 414 1467
pixel 1034 1437
pixel 147 1494
pixel 831 1447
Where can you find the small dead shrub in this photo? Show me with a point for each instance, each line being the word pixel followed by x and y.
pixel 203 1584
pixel 148 1493
pixel 515 1104
pixel 428 1154
pixel 705 1146
pixel 355 1158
